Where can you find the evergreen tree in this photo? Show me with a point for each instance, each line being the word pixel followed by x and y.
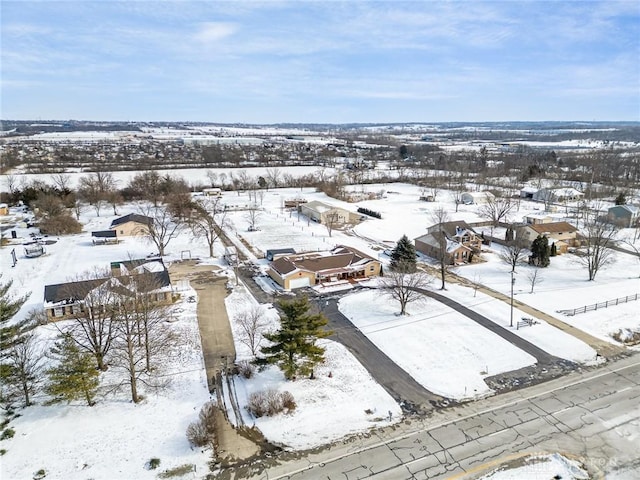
pixel 294 347
pixel 554 249
pixel 9 335
pixel 75 377
pixel 540 252
pixel 403 256
pixel 621 199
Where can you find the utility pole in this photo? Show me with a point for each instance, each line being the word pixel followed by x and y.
pixel 513 280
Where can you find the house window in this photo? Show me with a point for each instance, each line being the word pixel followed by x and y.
pixel 372 268
pixel 121 232
pixel 58 312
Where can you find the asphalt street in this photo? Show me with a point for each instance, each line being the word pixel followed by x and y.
pixel 591 415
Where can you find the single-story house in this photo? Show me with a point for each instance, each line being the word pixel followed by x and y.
pixel 212 192
pixel 461 242
pixel 557 194
pixel 537 218
pixel 66 300
pixel 555 231
pixel 478 198
pixel 624 216
pixel 528 192
pixel 131 225
pixel 101 237
pixel 311 268
pixel 324 213
pixel 274 253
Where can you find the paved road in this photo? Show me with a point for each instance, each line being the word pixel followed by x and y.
pixel 592 415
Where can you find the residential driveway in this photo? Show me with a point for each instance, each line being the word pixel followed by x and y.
pixel 218 348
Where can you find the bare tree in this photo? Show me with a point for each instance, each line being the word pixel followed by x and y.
pixel 61 181
pixel 331 221
pixel 96 187
pixel 162 228
pixel 252 325
pixel 535 278
pixel 147 186
pixel 405 287
pixel 513 253
pixel 440 216
pixel 208 221
pixel 458 189
pixel 273 177
pixel 92 309
pixel 496 209
pixel 252 215
pixel 128 352
pixel 24 361
pixel 598 238
pixel 634 248
pixel 213 177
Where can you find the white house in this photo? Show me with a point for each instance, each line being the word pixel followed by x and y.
pixel 478 198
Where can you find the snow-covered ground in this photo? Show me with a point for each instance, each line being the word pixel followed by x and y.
pixel 343 399
pixel 444 351
pixel 539 467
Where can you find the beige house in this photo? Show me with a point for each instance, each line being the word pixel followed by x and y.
pixel 131 225
pixel 324 213
pixel 129 279
pixel 560 233
pixel 460 241
pixel 312 268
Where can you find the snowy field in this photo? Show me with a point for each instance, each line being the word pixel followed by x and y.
pixel 539 467
pixel 445 352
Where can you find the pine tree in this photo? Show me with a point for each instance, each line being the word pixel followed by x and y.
pixel 554 250
pixel 75 377
pixel 403 256
pixel 9 336
pixel 540 251
pixel 294 347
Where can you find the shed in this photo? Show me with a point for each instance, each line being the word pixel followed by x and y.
pixel 276 252
pixel 102 237
pixel 469 198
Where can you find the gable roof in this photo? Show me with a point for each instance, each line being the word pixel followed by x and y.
pixel 72 292
pixel 631 209
pixel 341 257
pixel 132 217
pixel 319 207
pixel 105 234
pixel 553 227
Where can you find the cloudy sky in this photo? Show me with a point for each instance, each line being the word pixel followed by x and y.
pixel 320 61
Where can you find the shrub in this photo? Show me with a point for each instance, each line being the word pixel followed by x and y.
pixel 2 451
pixel 153 463
pixel 62 224
pixel 246 368
pixel 40 474
pixel 371 213
pixel 270 402
pixel 201 433
pixel 7 433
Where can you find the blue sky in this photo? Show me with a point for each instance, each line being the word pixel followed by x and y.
pixel 323 61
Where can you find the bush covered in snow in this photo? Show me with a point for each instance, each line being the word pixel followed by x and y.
pixel 270 402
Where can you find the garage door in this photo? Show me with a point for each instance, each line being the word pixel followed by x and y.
pixel 298 282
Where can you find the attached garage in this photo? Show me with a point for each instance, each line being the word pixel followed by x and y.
pixel 299 282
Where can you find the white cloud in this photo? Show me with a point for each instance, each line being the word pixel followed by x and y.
pixel 209 32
